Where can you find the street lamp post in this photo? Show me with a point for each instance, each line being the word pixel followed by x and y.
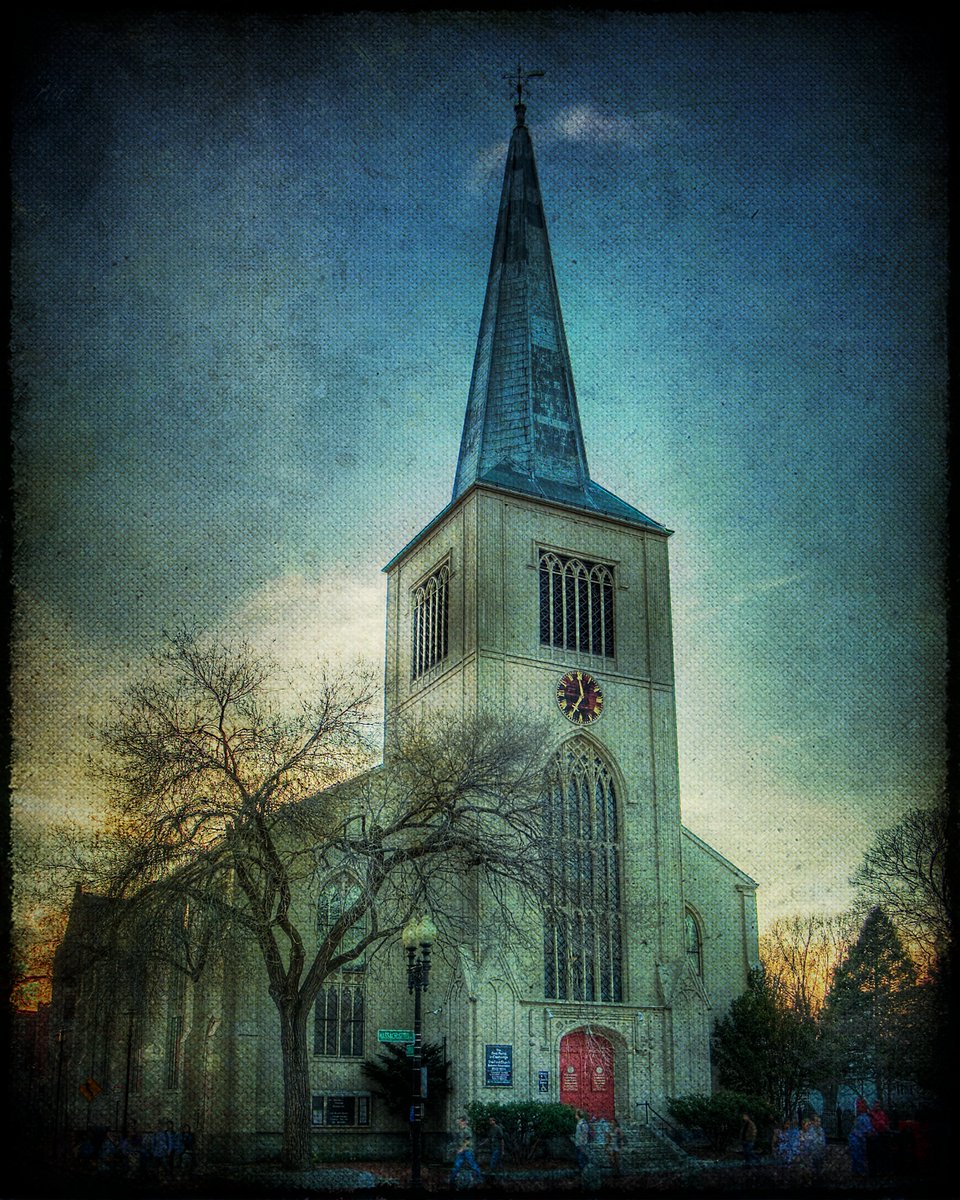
pixel 56 1103
pixel 126 1078
pixel 420 934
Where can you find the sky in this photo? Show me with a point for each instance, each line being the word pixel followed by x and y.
pixel 248 263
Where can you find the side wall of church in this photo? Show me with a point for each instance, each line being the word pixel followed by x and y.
pixel 724 901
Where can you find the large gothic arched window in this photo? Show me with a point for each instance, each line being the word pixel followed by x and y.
pixel 582 925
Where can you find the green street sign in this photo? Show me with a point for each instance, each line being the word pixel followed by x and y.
pixel 394 1035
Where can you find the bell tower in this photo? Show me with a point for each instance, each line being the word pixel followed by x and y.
pixel 534 574
pixel 538 590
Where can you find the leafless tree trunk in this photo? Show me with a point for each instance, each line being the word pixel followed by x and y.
pixel 229 807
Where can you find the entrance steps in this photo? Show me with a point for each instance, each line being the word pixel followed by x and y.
pixel 647 1148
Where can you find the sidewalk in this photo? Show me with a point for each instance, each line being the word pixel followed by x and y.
pixel 728 1178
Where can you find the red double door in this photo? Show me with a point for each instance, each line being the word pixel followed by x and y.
pixel 586 1073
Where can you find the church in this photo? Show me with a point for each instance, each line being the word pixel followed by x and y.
pixel 535 588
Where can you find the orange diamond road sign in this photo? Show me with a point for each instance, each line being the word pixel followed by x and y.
pixel 90 1089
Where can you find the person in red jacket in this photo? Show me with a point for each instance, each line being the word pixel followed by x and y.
pixel 879 1119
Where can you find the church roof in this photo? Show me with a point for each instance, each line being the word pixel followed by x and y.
pixel 522 428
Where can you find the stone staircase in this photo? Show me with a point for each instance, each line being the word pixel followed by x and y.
pixel 647 1148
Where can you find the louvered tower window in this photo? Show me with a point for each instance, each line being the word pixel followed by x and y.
pixel 582 926
pixel 431 604
pixel 576 604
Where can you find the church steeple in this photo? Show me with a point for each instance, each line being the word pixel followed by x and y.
pixel 522 428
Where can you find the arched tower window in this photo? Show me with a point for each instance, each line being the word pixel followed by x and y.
pixel 583 922
pixel 693 941
pixel 431 604
pixel 576 604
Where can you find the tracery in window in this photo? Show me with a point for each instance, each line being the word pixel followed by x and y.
pixel 335 900
pixel 693 941
pixel 583 921
pixel 339 1017
pixel 340 1008
pixel 576 604
pixel 431 604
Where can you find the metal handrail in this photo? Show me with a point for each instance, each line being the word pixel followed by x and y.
pixel 672 1131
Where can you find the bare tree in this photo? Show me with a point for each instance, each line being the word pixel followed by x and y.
pixel 905 872
pixel 230 807
pixel 47 862
pixel 800 954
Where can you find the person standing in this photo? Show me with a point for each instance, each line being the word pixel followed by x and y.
pixel 110 1159
pixel 616 1144
pixel 496 1144
pixel 857 1139
pixel 748 1137
pixel 878 1145
pixel 581 1140
pixel 600 1132
pixel 463 1139
pixel 818 1144
pixel 189 1142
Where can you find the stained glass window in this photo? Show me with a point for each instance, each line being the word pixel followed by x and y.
pixel 582 928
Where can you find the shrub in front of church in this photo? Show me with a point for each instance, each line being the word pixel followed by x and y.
pixel 717 1118
pixel 527 1125
pixel 389 1075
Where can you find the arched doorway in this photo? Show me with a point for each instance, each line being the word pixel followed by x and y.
pixel 586 1073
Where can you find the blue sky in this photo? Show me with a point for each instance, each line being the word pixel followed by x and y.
pixel 249 259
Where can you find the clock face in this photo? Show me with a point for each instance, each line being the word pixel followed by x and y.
pixel 579 697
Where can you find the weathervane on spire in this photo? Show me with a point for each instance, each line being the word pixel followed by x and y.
pixel 520 81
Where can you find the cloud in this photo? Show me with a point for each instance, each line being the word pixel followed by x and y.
pixel 801 849
pixel 487 166
pixel 61 684
pixel 301 622
pixel 584 123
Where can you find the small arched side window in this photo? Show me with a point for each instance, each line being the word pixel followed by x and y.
pixel 693 941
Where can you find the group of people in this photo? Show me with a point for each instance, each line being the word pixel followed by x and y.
pixel 606 1136
pixel 865 1138
pixel 158 1153
pixel 804 1142
pixel 800 1143
pixel 463 1149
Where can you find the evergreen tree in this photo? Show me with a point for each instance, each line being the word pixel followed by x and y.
pixel 763 1047
pixel 390 1074
pixel 873 1020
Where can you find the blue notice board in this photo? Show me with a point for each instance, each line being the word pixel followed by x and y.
pixel 498 1066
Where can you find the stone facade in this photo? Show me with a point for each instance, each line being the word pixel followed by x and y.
pixel 470 631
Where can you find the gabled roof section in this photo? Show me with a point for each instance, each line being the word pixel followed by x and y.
pixel 522 429
pixel 743 878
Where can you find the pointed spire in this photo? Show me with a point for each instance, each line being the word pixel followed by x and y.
pixel 522 427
